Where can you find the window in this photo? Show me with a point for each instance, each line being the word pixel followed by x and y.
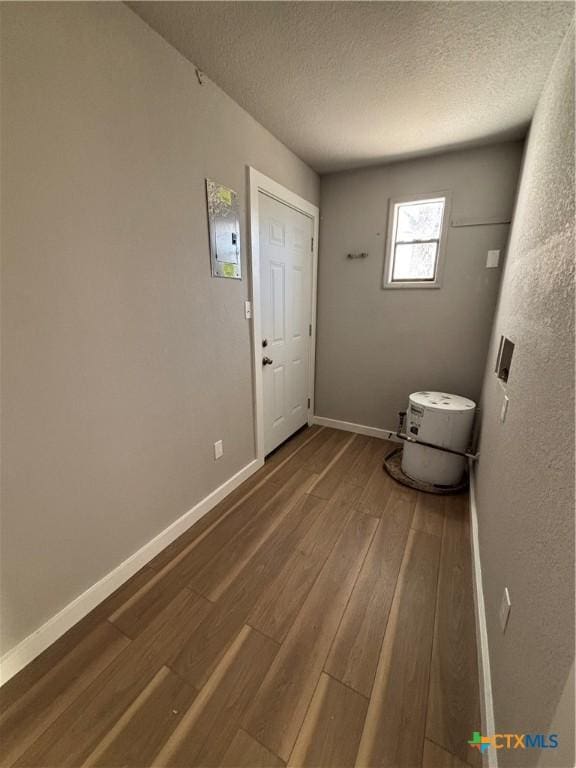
pixel 416 234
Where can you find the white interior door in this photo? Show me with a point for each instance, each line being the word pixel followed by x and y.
pixel 286 296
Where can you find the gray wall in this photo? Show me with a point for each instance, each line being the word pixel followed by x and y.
pixel 123 361
pixel 376 346
pixel 526 471
pixel 562 723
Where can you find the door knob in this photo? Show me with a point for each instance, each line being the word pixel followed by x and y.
pixel 267 361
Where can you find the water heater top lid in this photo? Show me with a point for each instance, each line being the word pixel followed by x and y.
pixel 440 401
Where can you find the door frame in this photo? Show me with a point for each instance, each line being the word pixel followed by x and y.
pixel 258 182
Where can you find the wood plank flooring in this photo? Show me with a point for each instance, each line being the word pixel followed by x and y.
pixel 319 616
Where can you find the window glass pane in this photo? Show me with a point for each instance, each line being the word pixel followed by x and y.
pixel 415 262
pixel 419 221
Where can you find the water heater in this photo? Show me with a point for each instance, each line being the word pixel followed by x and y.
pixel 443 420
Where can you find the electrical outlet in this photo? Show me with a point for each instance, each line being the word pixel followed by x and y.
pixel 248 310
pixel 218 449
pixel 504 612
pixel 504 410
pixel 493 259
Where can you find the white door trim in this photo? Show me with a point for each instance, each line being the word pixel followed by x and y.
pixel 258 182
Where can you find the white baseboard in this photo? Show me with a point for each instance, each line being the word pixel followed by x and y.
pixel 490 757
pixel 33 645
pixel 361 429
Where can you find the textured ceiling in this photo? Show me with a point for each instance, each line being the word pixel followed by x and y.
pixel 346 84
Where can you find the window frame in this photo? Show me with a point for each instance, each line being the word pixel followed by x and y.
pixel 393 204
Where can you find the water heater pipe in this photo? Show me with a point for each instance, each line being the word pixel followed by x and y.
pixel 409 439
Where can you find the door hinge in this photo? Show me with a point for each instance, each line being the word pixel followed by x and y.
pixel 308 402
pixel 310 330
pixel 312 244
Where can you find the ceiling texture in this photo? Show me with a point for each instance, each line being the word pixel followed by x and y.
pixel 350 84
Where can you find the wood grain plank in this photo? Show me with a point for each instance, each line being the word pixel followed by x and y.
pixel 219 573
pixel 242 493
pixel 276 609
pixel 292 446
pixel 393 733
pixel 135 611
pixel 376 493
pixel 200 528
pixel 209 547
pixel 246 752
pixel 322 457
pixel 332 729
pixel 210 724
pixel 281 703
pixel 429 514
pixel 145 725
pixel 134 615
pixel 354 654
pixel 372 456
pixel 78 730
pixel 26 719
pixel 453 706
pixel 16 687
pixel 206 523
pixel 302 457
pixel 329 481
pixel 436 757
pixel 199 656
